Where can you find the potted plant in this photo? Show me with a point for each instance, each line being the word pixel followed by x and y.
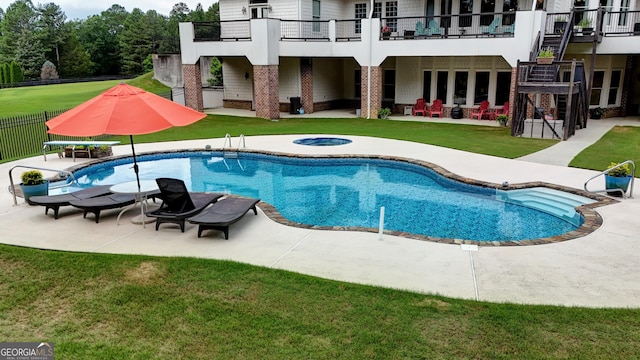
pixel 502 120
pixel 33 184
pixel 384 113
pixel 559 24
pixel 585 25
pixel 545 56
pixel 386 32
pixel 617 178
pixel 596 113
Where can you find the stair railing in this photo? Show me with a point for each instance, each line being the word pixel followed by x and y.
pixel 605 172
pixel 566 36
pixel 12 188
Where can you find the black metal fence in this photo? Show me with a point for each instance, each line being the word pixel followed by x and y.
pixel 22 136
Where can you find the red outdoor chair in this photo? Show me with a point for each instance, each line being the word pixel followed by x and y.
pixel 436 108
pixel 420 107
pixel 504 110
pixel 481 111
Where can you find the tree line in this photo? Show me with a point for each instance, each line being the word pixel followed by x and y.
pixel 115 42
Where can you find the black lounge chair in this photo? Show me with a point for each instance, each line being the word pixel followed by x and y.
pixel 97 204
pixel 54 202
pixel 224 213
pixel 178 203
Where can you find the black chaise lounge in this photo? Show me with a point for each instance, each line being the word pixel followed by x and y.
pixel 97 204
pixel 224 213
pixel 178 203
pixel 54 202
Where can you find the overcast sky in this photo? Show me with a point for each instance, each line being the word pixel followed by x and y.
pixel 81 9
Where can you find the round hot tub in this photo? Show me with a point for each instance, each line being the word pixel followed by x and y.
pixel 322 141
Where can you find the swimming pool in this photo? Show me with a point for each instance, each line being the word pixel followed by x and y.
pixel 347 192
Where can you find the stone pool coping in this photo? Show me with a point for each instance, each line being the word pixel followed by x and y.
pixel 592 219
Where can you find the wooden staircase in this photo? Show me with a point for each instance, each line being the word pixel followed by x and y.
pixel 570 94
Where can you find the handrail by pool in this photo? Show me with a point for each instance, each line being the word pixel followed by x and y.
pixel 12 186
pixel 633 177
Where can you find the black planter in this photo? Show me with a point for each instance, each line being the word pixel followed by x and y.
pixel 456 113
pixel 558 26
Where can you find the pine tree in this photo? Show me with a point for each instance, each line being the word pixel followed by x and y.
pixel 5 74
pixel 18 76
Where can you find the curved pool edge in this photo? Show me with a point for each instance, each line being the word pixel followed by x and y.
pixel 592 219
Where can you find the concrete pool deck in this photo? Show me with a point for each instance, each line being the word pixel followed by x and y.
pixel 597 270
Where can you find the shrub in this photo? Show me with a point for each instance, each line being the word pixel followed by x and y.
pixel 622 171
pixel 384 112
pixel 32 177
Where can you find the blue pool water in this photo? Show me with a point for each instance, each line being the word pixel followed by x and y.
pixel 346 192
pixel 322 141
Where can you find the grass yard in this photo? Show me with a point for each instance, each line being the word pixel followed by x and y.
pixel 98 306
pixel 487 140
pixel 36 99
pixel 618 145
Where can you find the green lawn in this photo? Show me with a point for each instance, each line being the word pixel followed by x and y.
pixel 36 99
pixel 619 144
pixel 479 139
pixel 98 306
pixel 95 306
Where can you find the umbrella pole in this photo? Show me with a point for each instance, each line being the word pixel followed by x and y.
pixel 135 162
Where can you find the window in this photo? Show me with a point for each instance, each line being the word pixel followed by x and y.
pixel 460 88
pixel 596 87
pixel 316 15
pixel 445 21
pixel 389 85
pixel 430 8
pixel 426 86
pixel 441 87
pixel 360 13
pixel 466 9
pixel 482 87
pixel 608 7
pixel 377 10
pixel 489 7
pixel 261 12
pixel 357 83
pixel 614 87
pixel 509 6
pixel 391 10
pixel 624 8
pixel 503 86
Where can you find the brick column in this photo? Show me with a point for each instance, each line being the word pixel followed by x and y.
pixel 376 91
pixel 512 93
pixel 192 86
pixel 306 74
pixel 266 91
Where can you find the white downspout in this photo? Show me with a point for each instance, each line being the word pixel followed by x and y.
pixel 370 59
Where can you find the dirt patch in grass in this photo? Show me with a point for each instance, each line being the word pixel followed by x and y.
pixel 146 273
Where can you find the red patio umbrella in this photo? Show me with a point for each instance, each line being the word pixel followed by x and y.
pixel 123 110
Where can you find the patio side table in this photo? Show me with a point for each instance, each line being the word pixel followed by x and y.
pixel 131 187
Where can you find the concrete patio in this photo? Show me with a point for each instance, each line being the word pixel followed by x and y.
pixel 597 270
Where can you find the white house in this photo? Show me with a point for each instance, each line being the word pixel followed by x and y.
pixel 460 51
